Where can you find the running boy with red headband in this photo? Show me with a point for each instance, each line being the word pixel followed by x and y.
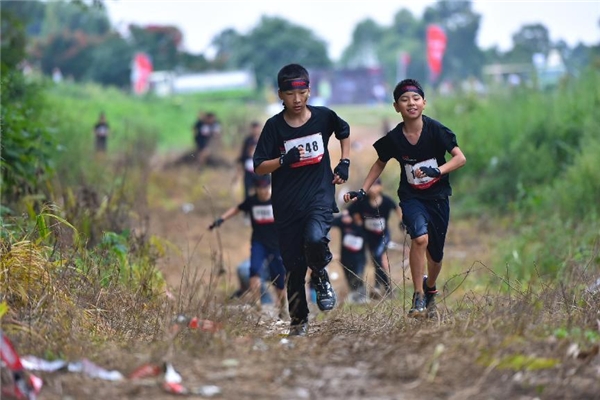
pixel 293 148
pixel 419 144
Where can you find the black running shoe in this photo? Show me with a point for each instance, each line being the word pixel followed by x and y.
pixel 418 308
pixel 430 293
pixel 298 329
pixel 326 297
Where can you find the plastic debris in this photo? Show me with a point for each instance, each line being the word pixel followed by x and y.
pixel 146 371
pixel 205 325
pixel 25 386
pixel 92 370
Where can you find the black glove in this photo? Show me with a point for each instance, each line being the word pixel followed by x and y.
pixel 342 169
pixel 216 224
pixel 430 171
pixel 359 196
pixel 290 157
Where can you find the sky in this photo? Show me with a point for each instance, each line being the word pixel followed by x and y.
pixel 574 21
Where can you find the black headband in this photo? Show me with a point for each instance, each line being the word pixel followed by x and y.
pixel 294 84
pixel 410 88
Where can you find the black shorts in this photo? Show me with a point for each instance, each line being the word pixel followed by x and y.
pixel 202 142
pixel 100 143
pixel 428 217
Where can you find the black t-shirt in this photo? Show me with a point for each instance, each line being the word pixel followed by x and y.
pixel 375 219
pixel 263 221
pixel 305 185
pixel 204 130
pixel 247 152
pixel 353 242
pixel 430 150
pixel 101 129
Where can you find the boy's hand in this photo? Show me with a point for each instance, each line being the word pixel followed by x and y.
pixel 291 157
pixel 430 171
pixel 341 172
pixel 355 196
pixel 216 224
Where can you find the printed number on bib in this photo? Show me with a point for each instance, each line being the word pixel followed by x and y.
pixel 313 149
pixel 353 243
pixel 376 225
pixel 263 214
pixel 421 183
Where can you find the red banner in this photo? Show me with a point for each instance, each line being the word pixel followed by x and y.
pixel 141 69
pixel 436 46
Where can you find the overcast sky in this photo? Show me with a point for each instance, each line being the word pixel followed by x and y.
pixel 334 21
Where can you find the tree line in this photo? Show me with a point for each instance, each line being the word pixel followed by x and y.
pixel 78 39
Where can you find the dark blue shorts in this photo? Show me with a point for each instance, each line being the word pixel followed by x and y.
pixel 428 217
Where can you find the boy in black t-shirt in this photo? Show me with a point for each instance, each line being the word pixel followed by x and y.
pixel 265 246
pixel 352 255
pixel 205 128
pixel 419 144
pixel 101 131
pixel 374 215
pixel 293 147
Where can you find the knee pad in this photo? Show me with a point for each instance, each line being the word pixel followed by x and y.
pixel 317 254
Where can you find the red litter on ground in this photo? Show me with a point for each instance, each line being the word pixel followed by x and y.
pixel 26 386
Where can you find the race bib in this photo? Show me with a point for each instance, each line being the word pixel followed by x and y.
pixel 353 242
pixel 376 225
pixel 249 165
pixel 313 149
pixel 263 214
pixel 421 183
pixel 101 131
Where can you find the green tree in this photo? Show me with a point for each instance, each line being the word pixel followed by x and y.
pixel 111 62
pixel 530 39
pixel 74 16
pixel 160 42
pixel 226 43
pixel 26 144
pixel 71 52
pixel 462 58
pixel 404 36
pixel 363 48
pixel 275 42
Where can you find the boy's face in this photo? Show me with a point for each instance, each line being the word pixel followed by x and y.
pixel 410 105
pixel 375 190
pixel 295 100
pixel 263 192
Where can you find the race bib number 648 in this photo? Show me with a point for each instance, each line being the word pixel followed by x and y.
pixel 313 149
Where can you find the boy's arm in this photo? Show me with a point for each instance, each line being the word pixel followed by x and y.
pixel 374 173
pixel 458 160
pixel 345 147
pixel 225 216
pixel 345 155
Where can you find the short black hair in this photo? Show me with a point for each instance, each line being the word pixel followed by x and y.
pixel 291 71
pixel 406 82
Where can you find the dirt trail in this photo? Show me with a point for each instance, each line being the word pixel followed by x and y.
pixel 358 352
pixel 211 192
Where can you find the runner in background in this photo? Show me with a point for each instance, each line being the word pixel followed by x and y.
pixel 352 256
pixel 205 129
pixel 264 242
pixel 374 214
pixel 101 131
